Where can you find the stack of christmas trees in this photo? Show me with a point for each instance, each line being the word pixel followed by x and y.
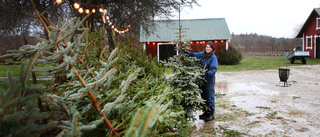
pixel 120 92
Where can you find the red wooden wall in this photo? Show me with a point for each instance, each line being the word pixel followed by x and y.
pixel 197 46
pixel 311 31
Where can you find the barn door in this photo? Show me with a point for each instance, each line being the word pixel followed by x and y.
pixel 318 47
pixel 166 51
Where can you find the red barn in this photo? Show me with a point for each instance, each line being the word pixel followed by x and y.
pixel 160 42
pixel 310 34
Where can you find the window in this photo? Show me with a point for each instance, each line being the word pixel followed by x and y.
pixel 318 23
pixel 308 42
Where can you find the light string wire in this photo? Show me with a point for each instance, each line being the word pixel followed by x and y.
pixel 82 7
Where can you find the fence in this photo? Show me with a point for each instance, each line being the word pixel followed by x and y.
pixel 251 51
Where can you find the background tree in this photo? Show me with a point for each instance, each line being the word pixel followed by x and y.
pixel 261 43
pixel 108 93
pixel 122 12
pixel 14 22
pixel 17 28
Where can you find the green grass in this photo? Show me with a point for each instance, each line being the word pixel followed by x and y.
pixel 5 68
pixel 263 63
pixel 15 69
pixel 4 84
pixel 168 71
pixel 247 63
pixel 260 63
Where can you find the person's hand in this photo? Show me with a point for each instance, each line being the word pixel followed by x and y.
pixel 186 52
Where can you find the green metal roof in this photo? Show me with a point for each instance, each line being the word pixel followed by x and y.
pixel 317 10
pixel 196 30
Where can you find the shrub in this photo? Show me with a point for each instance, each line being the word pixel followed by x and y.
pixel 229 57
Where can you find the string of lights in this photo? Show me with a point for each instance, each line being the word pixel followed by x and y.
pixel 105 16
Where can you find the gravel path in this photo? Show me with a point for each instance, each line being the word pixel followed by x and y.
pixel 253 103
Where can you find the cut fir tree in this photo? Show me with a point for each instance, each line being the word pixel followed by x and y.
pixel 186 81
pixel 98 99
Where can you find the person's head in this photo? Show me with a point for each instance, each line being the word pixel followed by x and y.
pixel 209 47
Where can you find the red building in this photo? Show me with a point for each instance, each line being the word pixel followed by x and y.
pixel 310 34
pixel 160 41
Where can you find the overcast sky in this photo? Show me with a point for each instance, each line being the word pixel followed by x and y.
pixel 276 18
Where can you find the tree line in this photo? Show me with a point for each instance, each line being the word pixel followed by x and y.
pixel 17 18
pixel 261 43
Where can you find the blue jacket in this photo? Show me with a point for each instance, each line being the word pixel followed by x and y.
pixel 210 64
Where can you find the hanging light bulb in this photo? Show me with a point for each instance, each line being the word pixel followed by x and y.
pixel 76 5
pixel 93 10
pixel 87 11
pixel 105 10
pixel 58 1
pixel 107 17
pixel 112 26
pixel 100 10
pixel 80 10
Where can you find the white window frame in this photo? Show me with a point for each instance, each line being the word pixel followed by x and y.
pixel 317 25
pixel 315 45
pixel 158 52
pixel 307 47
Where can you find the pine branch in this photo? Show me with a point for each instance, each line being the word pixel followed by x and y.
pixel 95 104
pixel 114 85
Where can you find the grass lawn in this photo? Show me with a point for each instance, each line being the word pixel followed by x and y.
pixel 261 63
pixel 15 69
pixel 4 84
pixel 247 63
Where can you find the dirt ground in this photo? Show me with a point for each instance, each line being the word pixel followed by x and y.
pixel 251 103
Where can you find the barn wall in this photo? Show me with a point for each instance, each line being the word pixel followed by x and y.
pixel 151 48
pixel 197 46
pixel 311 31
pixel 218 44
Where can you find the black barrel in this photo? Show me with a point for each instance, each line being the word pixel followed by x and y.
pixel 284 74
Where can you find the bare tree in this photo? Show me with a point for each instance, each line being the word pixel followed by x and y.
pixel 297 29
pixel 135 13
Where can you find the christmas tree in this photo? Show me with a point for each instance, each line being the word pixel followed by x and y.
pixel 19 111
pixel 186 79
pixel 107 93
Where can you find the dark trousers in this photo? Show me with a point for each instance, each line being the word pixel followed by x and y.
pixel 208 95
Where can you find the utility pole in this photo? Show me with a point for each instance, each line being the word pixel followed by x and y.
pixel 179 25
pixel 180 29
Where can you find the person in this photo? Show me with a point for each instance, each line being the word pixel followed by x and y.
pixel 208 60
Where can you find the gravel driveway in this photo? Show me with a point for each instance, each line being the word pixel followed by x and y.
pixel 253 104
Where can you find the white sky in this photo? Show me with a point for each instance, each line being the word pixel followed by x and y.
pixel 276 18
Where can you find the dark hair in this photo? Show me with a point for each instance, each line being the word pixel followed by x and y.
pixel 211 45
